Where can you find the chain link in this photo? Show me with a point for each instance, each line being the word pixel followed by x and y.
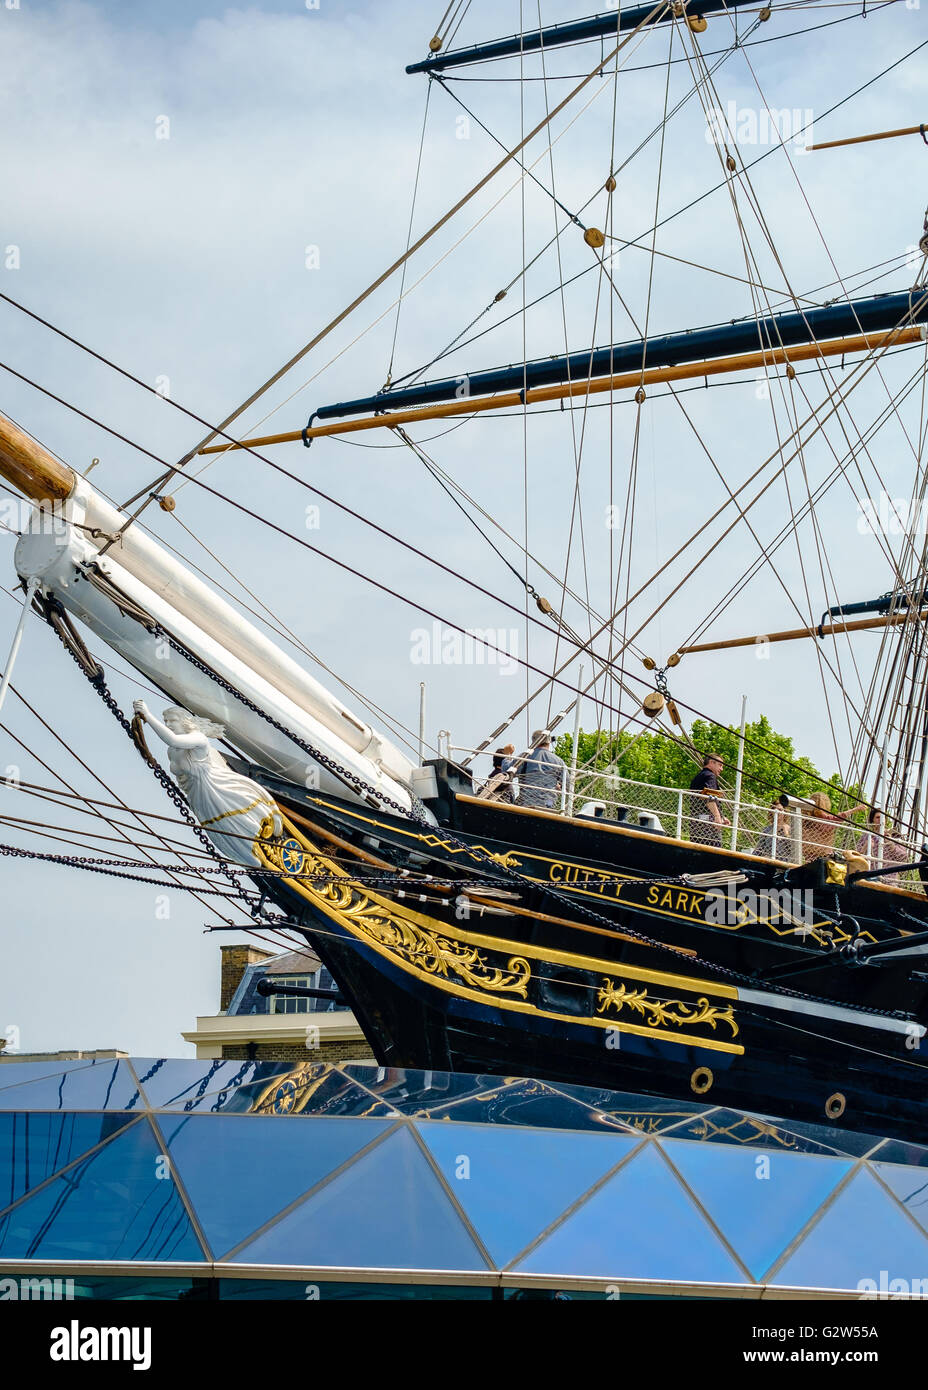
pixel 74 861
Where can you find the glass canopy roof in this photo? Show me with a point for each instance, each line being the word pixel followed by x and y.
pixel 276 1169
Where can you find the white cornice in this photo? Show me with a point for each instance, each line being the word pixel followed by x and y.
pixel 216 1029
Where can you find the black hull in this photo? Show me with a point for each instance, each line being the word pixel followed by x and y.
pixel 551 981
pixel 814 1087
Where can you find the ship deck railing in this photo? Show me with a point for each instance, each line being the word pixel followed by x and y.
pixel 791 835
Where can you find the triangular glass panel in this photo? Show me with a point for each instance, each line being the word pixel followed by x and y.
pixel 526 1103
pixel 900 1151
pixel 103 1085
pixel 640 1224
pixel 644 1114
pixel 721 1126
pixel 35 1145
pixel 514 1182
pixel 239 1171
pixel 301 1088
pixel 119 1203
pixel 334 1093
pixel 862 1238
pixel 13 1073
pixel 760 1200
pixel 911 1187
pixel 388 1210
pixel 418 1092
pixel 840 1141
pixel 194 1085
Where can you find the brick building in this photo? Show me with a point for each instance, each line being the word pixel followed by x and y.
pixel 281 1028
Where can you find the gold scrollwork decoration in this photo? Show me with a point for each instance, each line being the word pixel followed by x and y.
pixel 507 860
pixel 433 952
pixel 660 1012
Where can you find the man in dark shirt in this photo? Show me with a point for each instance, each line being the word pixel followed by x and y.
pixel 706 819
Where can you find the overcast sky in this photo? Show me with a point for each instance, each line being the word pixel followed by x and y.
pixel 194 190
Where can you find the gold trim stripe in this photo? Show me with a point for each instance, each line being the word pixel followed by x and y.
pixel 240 811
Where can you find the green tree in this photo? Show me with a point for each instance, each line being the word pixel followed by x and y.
pixel 771 763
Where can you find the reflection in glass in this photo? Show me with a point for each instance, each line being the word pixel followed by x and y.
pixel 387 1211
pixel 639 1225
pixel 33 1146
pixel 119 1203
pixel 528 1103
pixel 103 1085
pixel 240 1171
pixel 513 1183
pixel 759 1200
pixel 861 1234
pixel 911 1187
pixel 13 1073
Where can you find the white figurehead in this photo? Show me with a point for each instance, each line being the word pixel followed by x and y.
pixel 230 808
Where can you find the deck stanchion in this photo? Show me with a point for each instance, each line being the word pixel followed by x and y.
pixel 736 808
pixel 573 751
pixel 31 588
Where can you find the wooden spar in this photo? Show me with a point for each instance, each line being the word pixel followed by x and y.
pixel 826 630
pixel 31 469
pixel 801 352
pixel 862 139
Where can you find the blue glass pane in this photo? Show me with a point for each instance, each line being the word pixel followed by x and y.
pixel 113 1205
pixel 417 1092
pixel 13 1073
pixel 911 1187
pixel 841 1141
pixel 640 1224
pixel 897 1151
pixel 526 1103
pixel 104 1085
pixel 333 1093
pixel 863 1236
pixel 759 1201
pixel 251 1087
pixel 190 1085
pixel 646 1114
pixel 240 1171
pixel 720 1126
pixel 387 1211
pixel 35 1145
pixel 513 1182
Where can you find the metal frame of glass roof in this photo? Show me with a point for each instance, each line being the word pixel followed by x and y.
pixel 167 1169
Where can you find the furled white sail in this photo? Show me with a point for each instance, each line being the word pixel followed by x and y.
pixel 64 555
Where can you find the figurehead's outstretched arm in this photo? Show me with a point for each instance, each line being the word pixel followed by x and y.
pixel 167 735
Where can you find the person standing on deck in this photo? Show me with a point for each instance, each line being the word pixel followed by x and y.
pixel 775 842
pixel 881 845
pixel 818 828
pixel 542 773
pixel 502 762
pixel 706 819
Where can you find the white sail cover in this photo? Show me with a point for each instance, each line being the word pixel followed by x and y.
pixel 63 558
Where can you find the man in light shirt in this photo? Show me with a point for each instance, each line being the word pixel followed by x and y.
pixel 542 774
